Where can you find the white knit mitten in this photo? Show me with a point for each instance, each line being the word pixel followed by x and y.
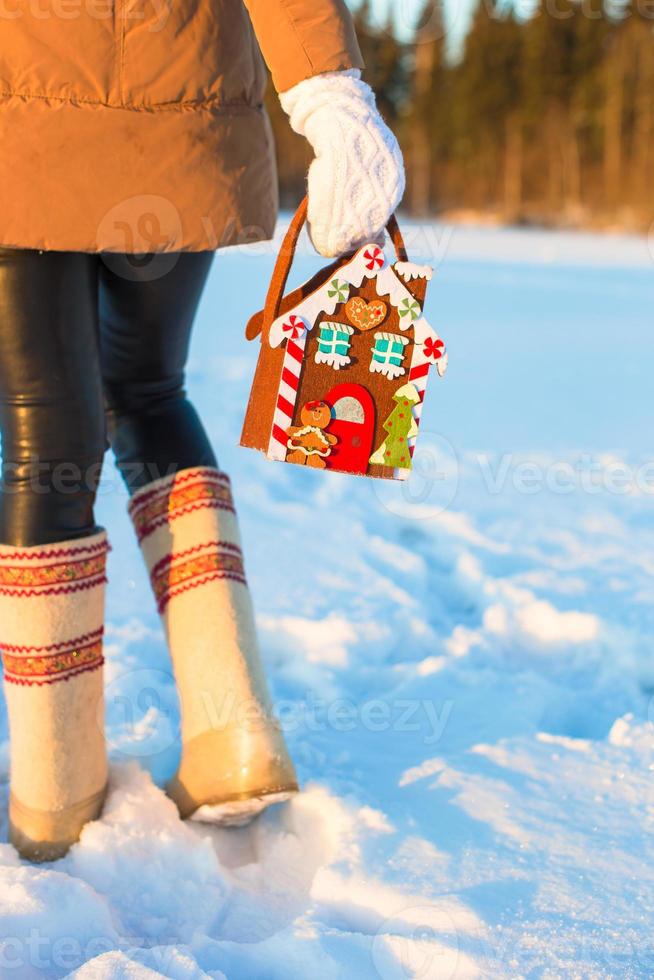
pixel 357 178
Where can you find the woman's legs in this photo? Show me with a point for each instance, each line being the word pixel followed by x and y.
pixel 147 309
pixel 233 754
pixel 52 555
pixel 51 411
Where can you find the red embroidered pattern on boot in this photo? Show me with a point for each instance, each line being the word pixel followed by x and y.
pixel 57 662
pixel 54 571
pixel 183 493
pixel 177 573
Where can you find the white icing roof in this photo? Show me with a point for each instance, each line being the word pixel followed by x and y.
pixel 409 271
pixel 368 262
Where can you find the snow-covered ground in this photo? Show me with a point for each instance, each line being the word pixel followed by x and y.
pixel 463 666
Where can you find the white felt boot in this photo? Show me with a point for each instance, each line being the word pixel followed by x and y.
pixel 51 626
pixel 356 180
pixel 234 759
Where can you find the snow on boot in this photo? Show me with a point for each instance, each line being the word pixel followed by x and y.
pixel 234 758
pixel 51 627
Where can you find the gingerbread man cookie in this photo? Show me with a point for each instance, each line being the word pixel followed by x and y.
pixel 309 444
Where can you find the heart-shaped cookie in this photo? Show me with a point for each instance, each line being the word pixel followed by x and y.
pixel 364 315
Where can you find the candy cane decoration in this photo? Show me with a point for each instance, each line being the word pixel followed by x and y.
pixel 288 387
pixel 424 355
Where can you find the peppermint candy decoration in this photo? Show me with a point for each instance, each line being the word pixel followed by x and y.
pixel 374 258
pixel 410 308
pixel 340 290
pixel 433 348
pixel 294 327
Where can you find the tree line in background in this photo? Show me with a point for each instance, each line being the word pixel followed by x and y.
pixel 548 119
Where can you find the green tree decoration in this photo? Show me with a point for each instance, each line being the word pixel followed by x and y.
pixel 400 426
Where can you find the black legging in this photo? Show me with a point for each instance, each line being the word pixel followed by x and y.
pixel 92 351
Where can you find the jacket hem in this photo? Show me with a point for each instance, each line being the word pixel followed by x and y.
pixel 134 182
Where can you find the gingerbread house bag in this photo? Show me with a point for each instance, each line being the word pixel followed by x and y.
pixel 344 361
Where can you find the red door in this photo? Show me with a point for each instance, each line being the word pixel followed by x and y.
pixel 353 424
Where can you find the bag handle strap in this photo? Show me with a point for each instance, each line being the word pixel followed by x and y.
pixel 287 253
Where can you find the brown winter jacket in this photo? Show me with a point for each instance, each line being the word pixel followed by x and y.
pixel 137 125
